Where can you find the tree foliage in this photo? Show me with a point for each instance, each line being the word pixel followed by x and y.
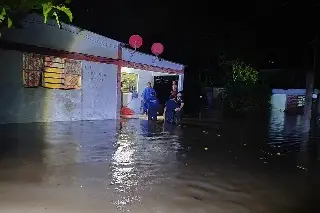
pixel 129 81
pixel 48 8
pixel 239 71
pixel 243 92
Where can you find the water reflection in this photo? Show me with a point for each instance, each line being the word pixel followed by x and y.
pixel 140 166
pixel 123 162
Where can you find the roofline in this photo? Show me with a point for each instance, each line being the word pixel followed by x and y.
pixel 125 46
pixel 122 44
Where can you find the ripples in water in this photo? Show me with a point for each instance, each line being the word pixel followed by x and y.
pixel 140 166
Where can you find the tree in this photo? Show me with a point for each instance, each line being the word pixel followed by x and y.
pixel 240 72
pixel 9 9
pixel 243 93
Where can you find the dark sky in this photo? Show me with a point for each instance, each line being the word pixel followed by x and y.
pixel 197 32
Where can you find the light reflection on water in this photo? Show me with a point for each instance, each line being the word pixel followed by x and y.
pixel 140 166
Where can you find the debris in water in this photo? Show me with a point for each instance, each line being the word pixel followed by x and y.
pixel 278 153
pixel 197 198
pixel 303 168
pixel 206 148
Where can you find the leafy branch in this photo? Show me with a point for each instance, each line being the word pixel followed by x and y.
pixel 50 9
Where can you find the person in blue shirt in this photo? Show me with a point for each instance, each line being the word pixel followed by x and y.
pixel 153 106
pixel 145 96
pixel 171 108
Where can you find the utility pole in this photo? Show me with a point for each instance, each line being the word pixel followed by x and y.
pixel 310 77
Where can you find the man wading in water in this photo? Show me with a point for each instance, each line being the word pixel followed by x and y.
pixel 146 94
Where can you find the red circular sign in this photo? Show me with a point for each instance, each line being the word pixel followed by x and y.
pixel 135 41
pixel 157 48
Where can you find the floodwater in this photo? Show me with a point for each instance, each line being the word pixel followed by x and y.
pixel 213 166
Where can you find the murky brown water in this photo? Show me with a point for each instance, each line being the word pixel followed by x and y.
pixel 231 167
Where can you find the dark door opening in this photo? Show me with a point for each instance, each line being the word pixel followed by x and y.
pixel 163 86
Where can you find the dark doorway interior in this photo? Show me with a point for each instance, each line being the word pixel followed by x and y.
pixel 163 87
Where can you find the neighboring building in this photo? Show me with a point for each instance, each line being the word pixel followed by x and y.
pixel 51 74
pixel 289 100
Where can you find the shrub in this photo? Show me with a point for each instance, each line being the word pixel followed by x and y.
pixel 243 93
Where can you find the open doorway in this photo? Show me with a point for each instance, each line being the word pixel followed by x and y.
pixel 163 87
pixel 129 87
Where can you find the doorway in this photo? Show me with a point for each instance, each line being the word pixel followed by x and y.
pixel 163 86
pixel 129 88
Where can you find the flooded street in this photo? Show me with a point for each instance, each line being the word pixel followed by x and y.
pixel 140 167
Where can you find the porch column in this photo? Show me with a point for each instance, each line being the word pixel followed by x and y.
pixel 180 82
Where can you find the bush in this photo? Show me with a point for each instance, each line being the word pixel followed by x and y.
pixel 243 94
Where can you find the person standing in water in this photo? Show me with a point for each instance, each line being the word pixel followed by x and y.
pixel 179 111
pixel 174 90
pixel 171 108
pixel 146 94
pixel 153 107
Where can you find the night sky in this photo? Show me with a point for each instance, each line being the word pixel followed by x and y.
pixel 196 33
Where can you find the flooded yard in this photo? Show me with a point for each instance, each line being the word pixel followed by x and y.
pixel 136 166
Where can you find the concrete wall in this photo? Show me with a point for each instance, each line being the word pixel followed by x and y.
pixel 95 101
pixel 69 38
pixel 278 102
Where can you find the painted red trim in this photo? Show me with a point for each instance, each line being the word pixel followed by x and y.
pixel 84 57
pixel 57 53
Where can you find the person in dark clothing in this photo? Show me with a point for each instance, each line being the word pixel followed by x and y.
pixel 171 108
pixel 174 91
pixel 153 106
pixel 179 111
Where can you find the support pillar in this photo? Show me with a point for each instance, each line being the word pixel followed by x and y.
pixel 308 101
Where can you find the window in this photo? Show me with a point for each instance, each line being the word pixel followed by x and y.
pixel 129 82
pixel 51 72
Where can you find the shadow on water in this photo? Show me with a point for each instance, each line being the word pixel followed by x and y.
pixel 223 166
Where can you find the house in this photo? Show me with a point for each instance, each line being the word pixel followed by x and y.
pixel 290 100
pixel 50 74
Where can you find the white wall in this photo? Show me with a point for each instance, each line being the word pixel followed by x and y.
pixel 95 101
pixel 99 91
pixel 69 38
pixel 278 101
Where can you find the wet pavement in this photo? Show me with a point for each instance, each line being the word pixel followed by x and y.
pixel 217 165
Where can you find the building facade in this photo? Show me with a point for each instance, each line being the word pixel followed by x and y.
pixel 69 74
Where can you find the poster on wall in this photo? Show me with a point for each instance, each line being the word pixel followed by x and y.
pixel 32 69
pixel 61 73
pixel 51 72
